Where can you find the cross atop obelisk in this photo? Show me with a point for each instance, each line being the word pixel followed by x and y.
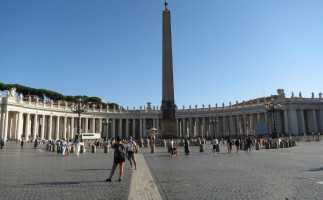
pixel 168 102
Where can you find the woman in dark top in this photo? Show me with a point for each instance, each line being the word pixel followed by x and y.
pixel 119 158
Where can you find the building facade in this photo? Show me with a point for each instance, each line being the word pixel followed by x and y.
pixel 29 118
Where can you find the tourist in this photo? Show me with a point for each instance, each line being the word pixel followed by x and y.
pixel 263 142
pixel 214 143
pixel 186 144
pixel 249 142
pixel 2 144
pixel 35 144
pixel 58 147
pixel 119 158
pixel 237 143
pixel 22 143
pixel 68 147
pixel 171 146
pixel 63 147
pixel 229 145
pixel 131 152
pixel 77 146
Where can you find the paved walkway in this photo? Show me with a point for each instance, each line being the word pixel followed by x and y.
pixel 293 173
pixel 142 183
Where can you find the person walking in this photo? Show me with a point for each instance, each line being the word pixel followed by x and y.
pixel 22 143
pixel 63 146
pixel 2 144
pixel 249 142
pixel 237 143
pixel 119 158
pixel 215 144
pixel 131 152
pixel 77 147
pixel 58 147
pixel 186 144
pixel 35 144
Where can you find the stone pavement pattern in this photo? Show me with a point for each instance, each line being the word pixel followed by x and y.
pixel 291 173
pixel 38 174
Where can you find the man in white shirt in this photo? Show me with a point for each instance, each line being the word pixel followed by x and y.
pixel 215 142
pixel 131 152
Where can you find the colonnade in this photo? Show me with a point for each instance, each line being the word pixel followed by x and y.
pixel 20 119
pixel 220 125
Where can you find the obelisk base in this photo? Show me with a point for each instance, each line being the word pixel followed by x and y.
pixel 168 128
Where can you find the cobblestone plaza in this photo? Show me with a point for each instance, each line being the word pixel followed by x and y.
pixel 292 173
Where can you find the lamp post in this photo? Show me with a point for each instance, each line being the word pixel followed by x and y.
pixel 79 106
pixel 273 108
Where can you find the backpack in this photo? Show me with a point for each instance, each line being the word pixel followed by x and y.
pixel 237 142
pixel 119 152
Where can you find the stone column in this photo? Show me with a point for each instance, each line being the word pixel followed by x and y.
pixel 134 127
pixel 154 123
pixel 177 129
pixel 184 128
pixel 191 127
pixel 99 126
pixel 238 125
pixel 113 128
pixel 120 127
pixel 35 127
pixel 266 120
pixel 57 128
pixel 72 128
pixel 302 121
pixel 5 125
pixel 93 125
pixel 127 128
pixel 224 127
pixel 86 125
pixel 27 134
pixel 244 125
pixel 204 127
pixel 20 125
pixel 217 126
pixel 198 132
pixel 293 126
pixel 314 121
pixel 144 127
pixel 140 127
pixel 64 128
pixel 157 124
pixel 286 121
pixel 258 117
pixel 211 127
pixel 231 126
pixel 50 127
pixel 42 128
pixel 251 124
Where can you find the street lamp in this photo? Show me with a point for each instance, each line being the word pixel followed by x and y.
pixel 79 106
pixel 273 108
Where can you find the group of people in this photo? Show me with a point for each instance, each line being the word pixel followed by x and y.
pixel 120 154
pixel 238 143
pixel 64 147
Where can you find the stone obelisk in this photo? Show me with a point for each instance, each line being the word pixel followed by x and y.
pixel 168 126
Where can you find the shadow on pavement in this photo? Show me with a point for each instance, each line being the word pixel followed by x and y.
pixel 75 170
pixel 316 170
pixel 65 183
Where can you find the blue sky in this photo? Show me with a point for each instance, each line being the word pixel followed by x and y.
pixel 222 50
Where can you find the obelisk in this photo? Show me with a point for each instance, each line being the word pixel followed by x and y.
pixel 168 126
